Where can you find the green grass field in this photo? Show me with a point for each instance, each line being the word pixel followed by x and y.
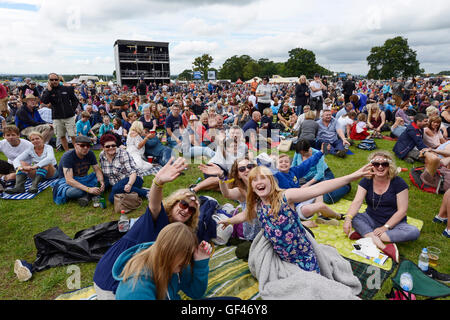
pixel 21 220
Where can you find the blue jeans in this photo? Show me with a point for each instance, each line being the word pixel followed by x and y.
pixel 364 224
pixel 118 188
pixel 335 195
pixel 197 151
pixel 75 193
pixel 335 146
pixel 164 157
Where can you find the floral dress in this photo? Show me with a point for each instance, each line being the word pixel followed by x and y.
pixel 288 236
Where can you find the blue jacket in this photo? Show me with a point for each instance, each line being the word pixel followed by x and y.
pixel 193 283
pixel 291 179
pixel 410 138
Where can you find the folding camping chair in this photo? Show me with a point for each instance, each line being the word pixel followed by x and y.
pixel 423 285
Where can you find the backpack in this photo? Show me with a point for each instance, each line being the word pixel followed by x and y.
pixel 415 174
pixel 367 144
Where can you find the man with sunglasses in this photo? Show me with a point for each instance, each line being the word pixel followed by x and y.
pixel 74 181
pixel 63 103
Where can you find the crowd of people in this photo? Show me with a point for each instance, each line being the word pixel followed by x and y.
pixel 224 128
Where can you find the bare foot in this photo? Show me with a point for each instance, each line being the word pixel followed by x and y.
pixel 309 224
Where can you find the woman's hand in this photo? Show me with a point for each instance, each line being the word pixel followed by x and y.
pixel 203 251
pixel 171 170
pixel 379 231
pixel 225 223
pixel 127 188
pixel 347 226
pixel 211 169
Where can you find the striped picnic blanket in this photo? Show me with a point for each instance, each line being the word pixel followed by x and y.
pixel 27 196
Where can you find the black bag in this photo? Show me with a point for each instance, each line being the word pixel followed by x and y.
pixel 55 248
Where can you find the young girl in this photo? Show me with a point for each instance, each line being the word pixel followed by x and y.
pixel 359 128
pixel 275 210
pixel 158 270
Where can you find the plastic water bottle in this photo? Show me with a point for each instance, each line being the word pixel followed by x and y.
pixel 423 260
pixel 124 223
pixel 406 281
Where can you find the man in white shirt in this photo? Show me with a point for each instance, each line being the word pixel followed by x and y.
pixel 46 113
pixel 316 87
pixel 12 146
pixel 264 95
pixel 252 99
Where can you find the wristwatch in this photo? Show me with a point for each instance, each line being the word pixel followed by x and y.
pixel 387 226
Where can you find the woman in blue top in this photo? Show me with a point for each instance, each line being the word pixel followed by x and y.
pixel 275 208
pixel 317 173
pixel 181 206
pixel 386 196
pixel 159 270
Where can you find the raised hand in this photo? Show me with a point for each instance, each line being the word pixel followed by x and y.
pixel 364 172
pixel 211 169
pixel 171 170
pixel 203 251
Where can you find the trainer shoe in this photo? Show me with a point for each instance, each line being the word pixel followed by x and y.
pixel 438 219
pixel 341 154
pixel 83 201
pixel 22 269
pixel 354 235
pixel 445 233
pixel 391 251
pixel 434 274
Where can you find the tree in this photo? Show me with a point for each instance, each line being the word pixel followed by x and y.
pixel 233 68
pixel 394 59
pixel 303 62
pixel 186 75
pixel 202 64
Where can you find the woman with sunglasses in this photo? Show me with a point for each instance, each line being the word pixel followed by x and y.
pixel 119 169
pixel 386 196
pixel 181 206
pixel 234 187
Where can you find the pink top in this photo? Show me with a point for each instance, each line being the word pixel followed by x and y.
pixel 434 141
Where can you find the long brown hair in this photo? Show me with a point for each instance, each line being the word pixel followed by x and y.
pixel 175 241
pixel 275 196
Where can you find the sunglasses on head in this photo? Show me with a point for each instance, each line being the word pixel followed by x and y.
pixel 383 164
pixel 184 205
pixel 110 146
pixel 250 166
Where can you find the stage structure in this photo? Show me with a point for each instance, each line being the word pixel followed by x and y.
pixel 146 59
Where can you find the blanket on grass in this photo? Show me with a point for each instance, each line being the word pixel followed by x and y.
pixel 281 280
pixel 27 196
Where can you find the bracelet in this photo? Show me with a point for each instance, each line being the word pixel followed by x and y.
pixel 157 184
pixel 349 216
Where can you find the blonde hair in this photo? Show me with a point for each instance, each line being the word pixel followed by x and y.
pixel 183 194
pixel 373 109
pixel 35 133
pixel 389 156
pixel 137 126
pixel 175 241
pixel 310 115
pixel 275 196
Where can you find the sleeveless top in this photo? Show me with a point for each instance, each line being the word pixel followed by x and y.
pixel 288 236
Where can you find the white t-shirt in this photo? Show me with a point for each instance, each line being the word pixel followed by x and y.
pixel 252 99
pixel 12 152
pixel 267 91
pixel 342 122
pixel 315 85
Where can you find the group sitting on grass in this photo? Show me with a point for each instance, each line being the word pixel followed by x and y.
pixel 224 132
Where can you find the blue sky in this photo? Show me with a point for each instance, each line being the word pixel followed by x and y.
pixel 41 36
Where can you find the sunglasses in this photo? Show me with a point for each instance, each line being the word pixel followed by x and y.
pixel 110 146
pixel 184 205
pixel 53 79
pixel 84 145
pixel 383 164
pixel 250 166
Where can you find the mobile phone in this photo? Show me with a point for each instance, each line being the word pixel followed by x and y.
pixel 357 246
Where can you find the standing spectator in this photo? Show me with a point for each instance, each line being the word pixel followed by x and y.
pixel 316 101
pixel 83 90
pixel 398 89
pixel 3 101
pixel 301 94
pixel 348 87
pixel 64 103
pixel 142 90
pixel 264 95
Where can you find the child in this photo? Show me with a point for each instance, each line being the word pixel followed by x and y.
pixel 359 128
pixel 84 127
pixel 158 270
pixel 275 209
pixel 106 126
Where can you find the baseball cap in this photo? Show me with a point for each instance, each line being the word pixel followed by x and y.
pixel 83 139
pixel 316 75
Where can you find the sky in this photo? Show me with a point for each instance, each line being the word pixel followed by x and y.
pixel 77 37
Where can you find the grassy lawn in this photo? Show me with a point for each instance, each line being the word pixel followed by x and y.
pixel 23 219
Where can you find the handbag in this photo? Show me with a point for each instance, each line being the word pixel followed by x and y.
pixel 126 202
pixel 285 145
